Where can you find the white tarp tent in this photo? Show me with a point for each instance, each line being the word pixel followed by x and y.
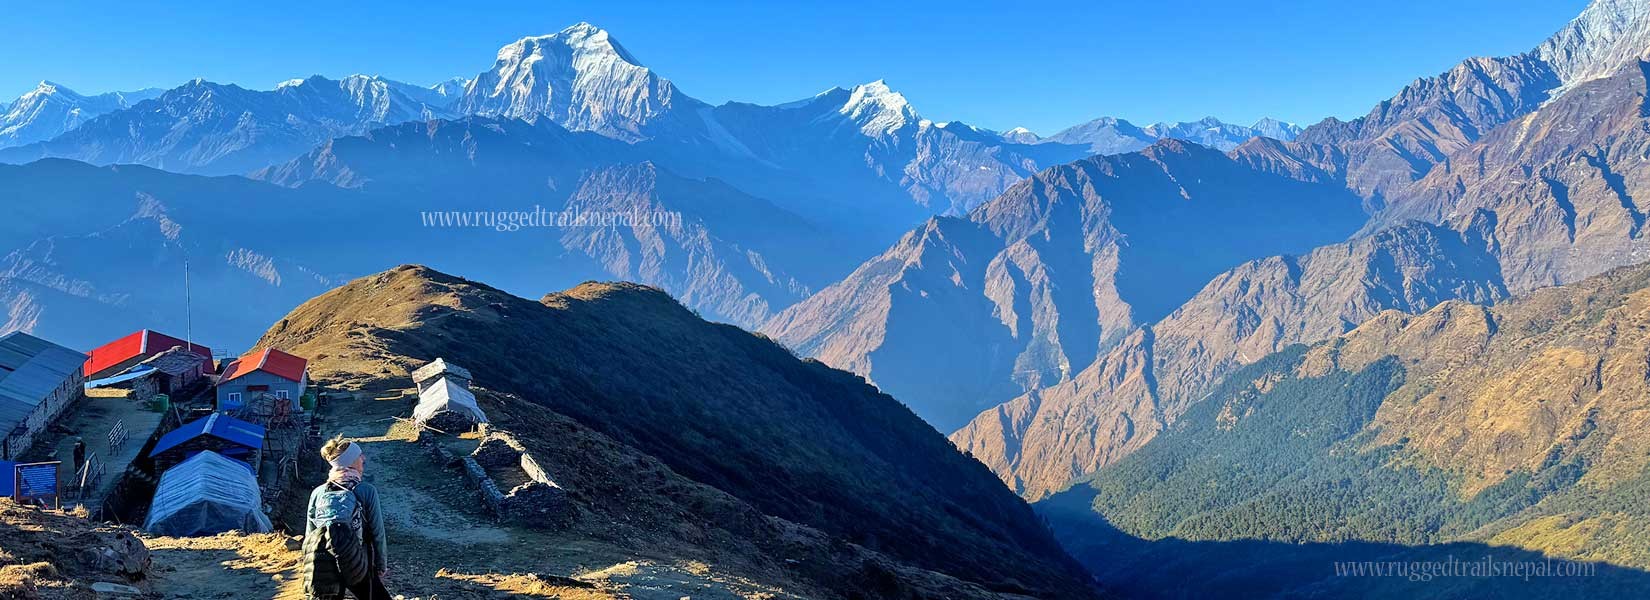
pixel 446 396
pixel 205 495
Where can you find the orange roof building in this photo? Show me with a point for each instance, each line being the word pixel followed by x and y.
pixel 267 371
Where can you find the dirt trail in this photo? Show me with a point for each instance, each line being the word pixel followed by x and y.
pixel 442 545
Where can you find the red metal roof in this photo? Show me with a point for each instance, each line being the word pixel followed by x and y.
pixel 268 360
pixel 140 344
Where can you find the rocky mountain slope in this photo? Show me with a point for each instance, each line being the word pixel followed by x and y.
pixel 1564 184
pixel 1041 441
pixel 1513 425
pixel 1546 198
pixel 1403 138
pixel 726 409
pixel 732 255
pixel 51 109
pixel 1035 285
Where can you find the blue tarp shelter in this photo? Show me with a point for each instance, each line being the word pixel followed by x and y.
pixel 207 495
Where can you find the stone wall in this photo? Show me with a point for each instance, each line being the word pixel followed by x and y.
pixel 18 441
pixel 539 502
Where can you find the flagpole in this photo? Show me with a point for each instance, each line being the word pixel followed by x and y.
pixel 188 314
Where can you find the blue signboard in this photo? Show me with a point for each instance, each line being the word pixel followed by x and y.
pixel 37 480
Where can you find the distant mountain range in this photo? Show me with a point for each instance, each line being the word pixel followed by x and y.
pixel 1109 135
pixel 582 79
pixel 567 121
pixel 208 128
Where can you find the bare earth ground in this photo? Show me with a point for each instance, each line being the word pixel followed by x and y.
pixel 442 545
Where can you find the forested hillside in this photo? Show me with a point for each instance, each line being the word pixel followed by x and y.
pixel 1514 426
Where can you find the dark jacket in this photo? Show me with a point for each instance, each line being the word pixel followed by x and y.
pixel 373 541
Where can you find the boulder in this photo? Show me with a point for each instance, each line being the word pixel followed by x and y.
pixel 115 589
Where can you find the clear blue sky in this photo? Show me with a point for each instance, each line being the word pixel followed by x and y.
pixel 995 64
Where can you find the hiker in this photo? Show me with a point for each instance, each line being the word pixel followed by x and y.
pixel 344 545
pixel 79 454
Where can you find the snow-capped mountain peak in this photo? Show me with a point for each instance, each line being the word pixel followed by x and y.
pixel 51 108
pixel 1020 135
pixel 579 77
pixel 49 91
pixel 581 47
pixel 878 109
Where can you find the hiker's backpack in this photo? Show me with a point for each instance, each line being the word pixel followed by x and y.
pixel 336 550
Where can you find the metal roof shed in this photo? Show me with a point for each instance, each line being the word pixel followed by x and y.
pixel 30 369
pixel 206 495
pixel 35 377
pixel 222 434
